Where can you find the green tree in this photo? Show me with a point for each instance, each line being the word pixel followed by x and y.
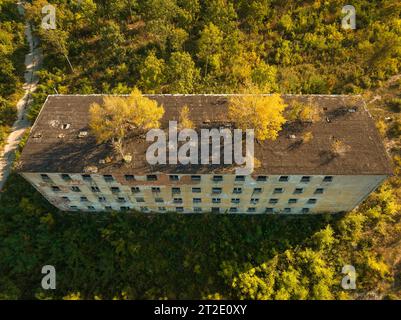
pixel 151 73
pixel 55 42
pixel 210 47
pixel 182 73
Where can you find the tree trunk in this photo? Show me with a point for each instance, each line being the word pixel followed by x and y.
pixel 118 146
pixel 68 60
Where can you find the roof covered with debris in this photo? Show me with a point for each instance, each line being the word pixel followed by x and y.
pixel 61 141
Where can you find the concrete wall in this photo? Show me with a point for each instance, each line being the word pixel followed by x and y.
pixel 342 194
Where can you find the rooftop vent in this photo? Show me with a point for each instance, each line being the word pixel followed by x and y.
pixel 37 135
pixel 352 109
pixel 292 136
pixel 65 126
pixel 61 136
pixel 82 134
pixel 90 169
pixel 54 123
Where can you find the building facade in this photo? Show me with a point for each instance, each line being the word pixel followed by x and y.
pixel 71 172
pixel 293 194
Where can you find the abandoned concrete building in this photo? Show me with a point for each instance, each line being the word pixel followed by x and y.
pixel 62 160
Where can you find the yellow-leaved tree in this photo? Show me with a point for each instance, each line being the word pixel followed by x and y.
pixel 185 122
pixel 118 118
pixel 263 113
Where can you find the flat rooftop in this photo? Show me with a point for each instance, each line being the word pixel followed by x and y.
pixel 54 144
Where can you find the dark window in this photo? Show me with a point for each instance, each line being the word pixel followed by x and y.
pixel 237 190
pixel 216 190
pixel 102 199
pixel 269 210
pixel 95 189
pixel 319 191
pixel 273 201
pixel 197 209
pixel 151 177
pixel 73 207
pixel 159 200
pixel 135 190
pixel 155 189
pixel 305 210
pixel 196 200
pixel 292 201
pixel 215 210
pixel 239 178
pixel 174 178
pixel 196 190
pixel 55 189
pixel 177 200
pixel 179 209
pixel 328 179
pixel 83 199
pixel 144 209
pixel 287 210
pixel 254 200
pixel 278 190
pixel 45 177
pixel 66 199
pixel 236 200
pixel 91 207
pixel 129 177
pixel 233 209
pixel 305 179
pixel 261 178
pixel 66 177
pixel 283 179
pixel 176 190
pixel 86 177
pixel 162 208
pixel 140 199
pixel 195 178
pixel 109 208
pixel 108 178
pixel 124 208
pixel 216 200
pixel 252 209
pixel 217 178
pixel 298 190
pixel 121 199
pixel 75 189
pixel 257 190
pixel 312 201
pixel 115 189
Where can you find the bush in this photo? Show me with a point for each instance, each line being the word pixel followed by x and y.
pixel 8 112
pixel 395 104
pixel 395 129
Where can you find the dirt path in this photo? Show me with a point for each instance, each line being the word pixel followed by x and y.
pixel 32 62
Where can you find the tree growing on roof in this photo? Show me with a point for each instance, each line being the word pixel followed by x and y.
pixel 304 112
pixel 119 118
pixel 184 121
pixel 262 113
